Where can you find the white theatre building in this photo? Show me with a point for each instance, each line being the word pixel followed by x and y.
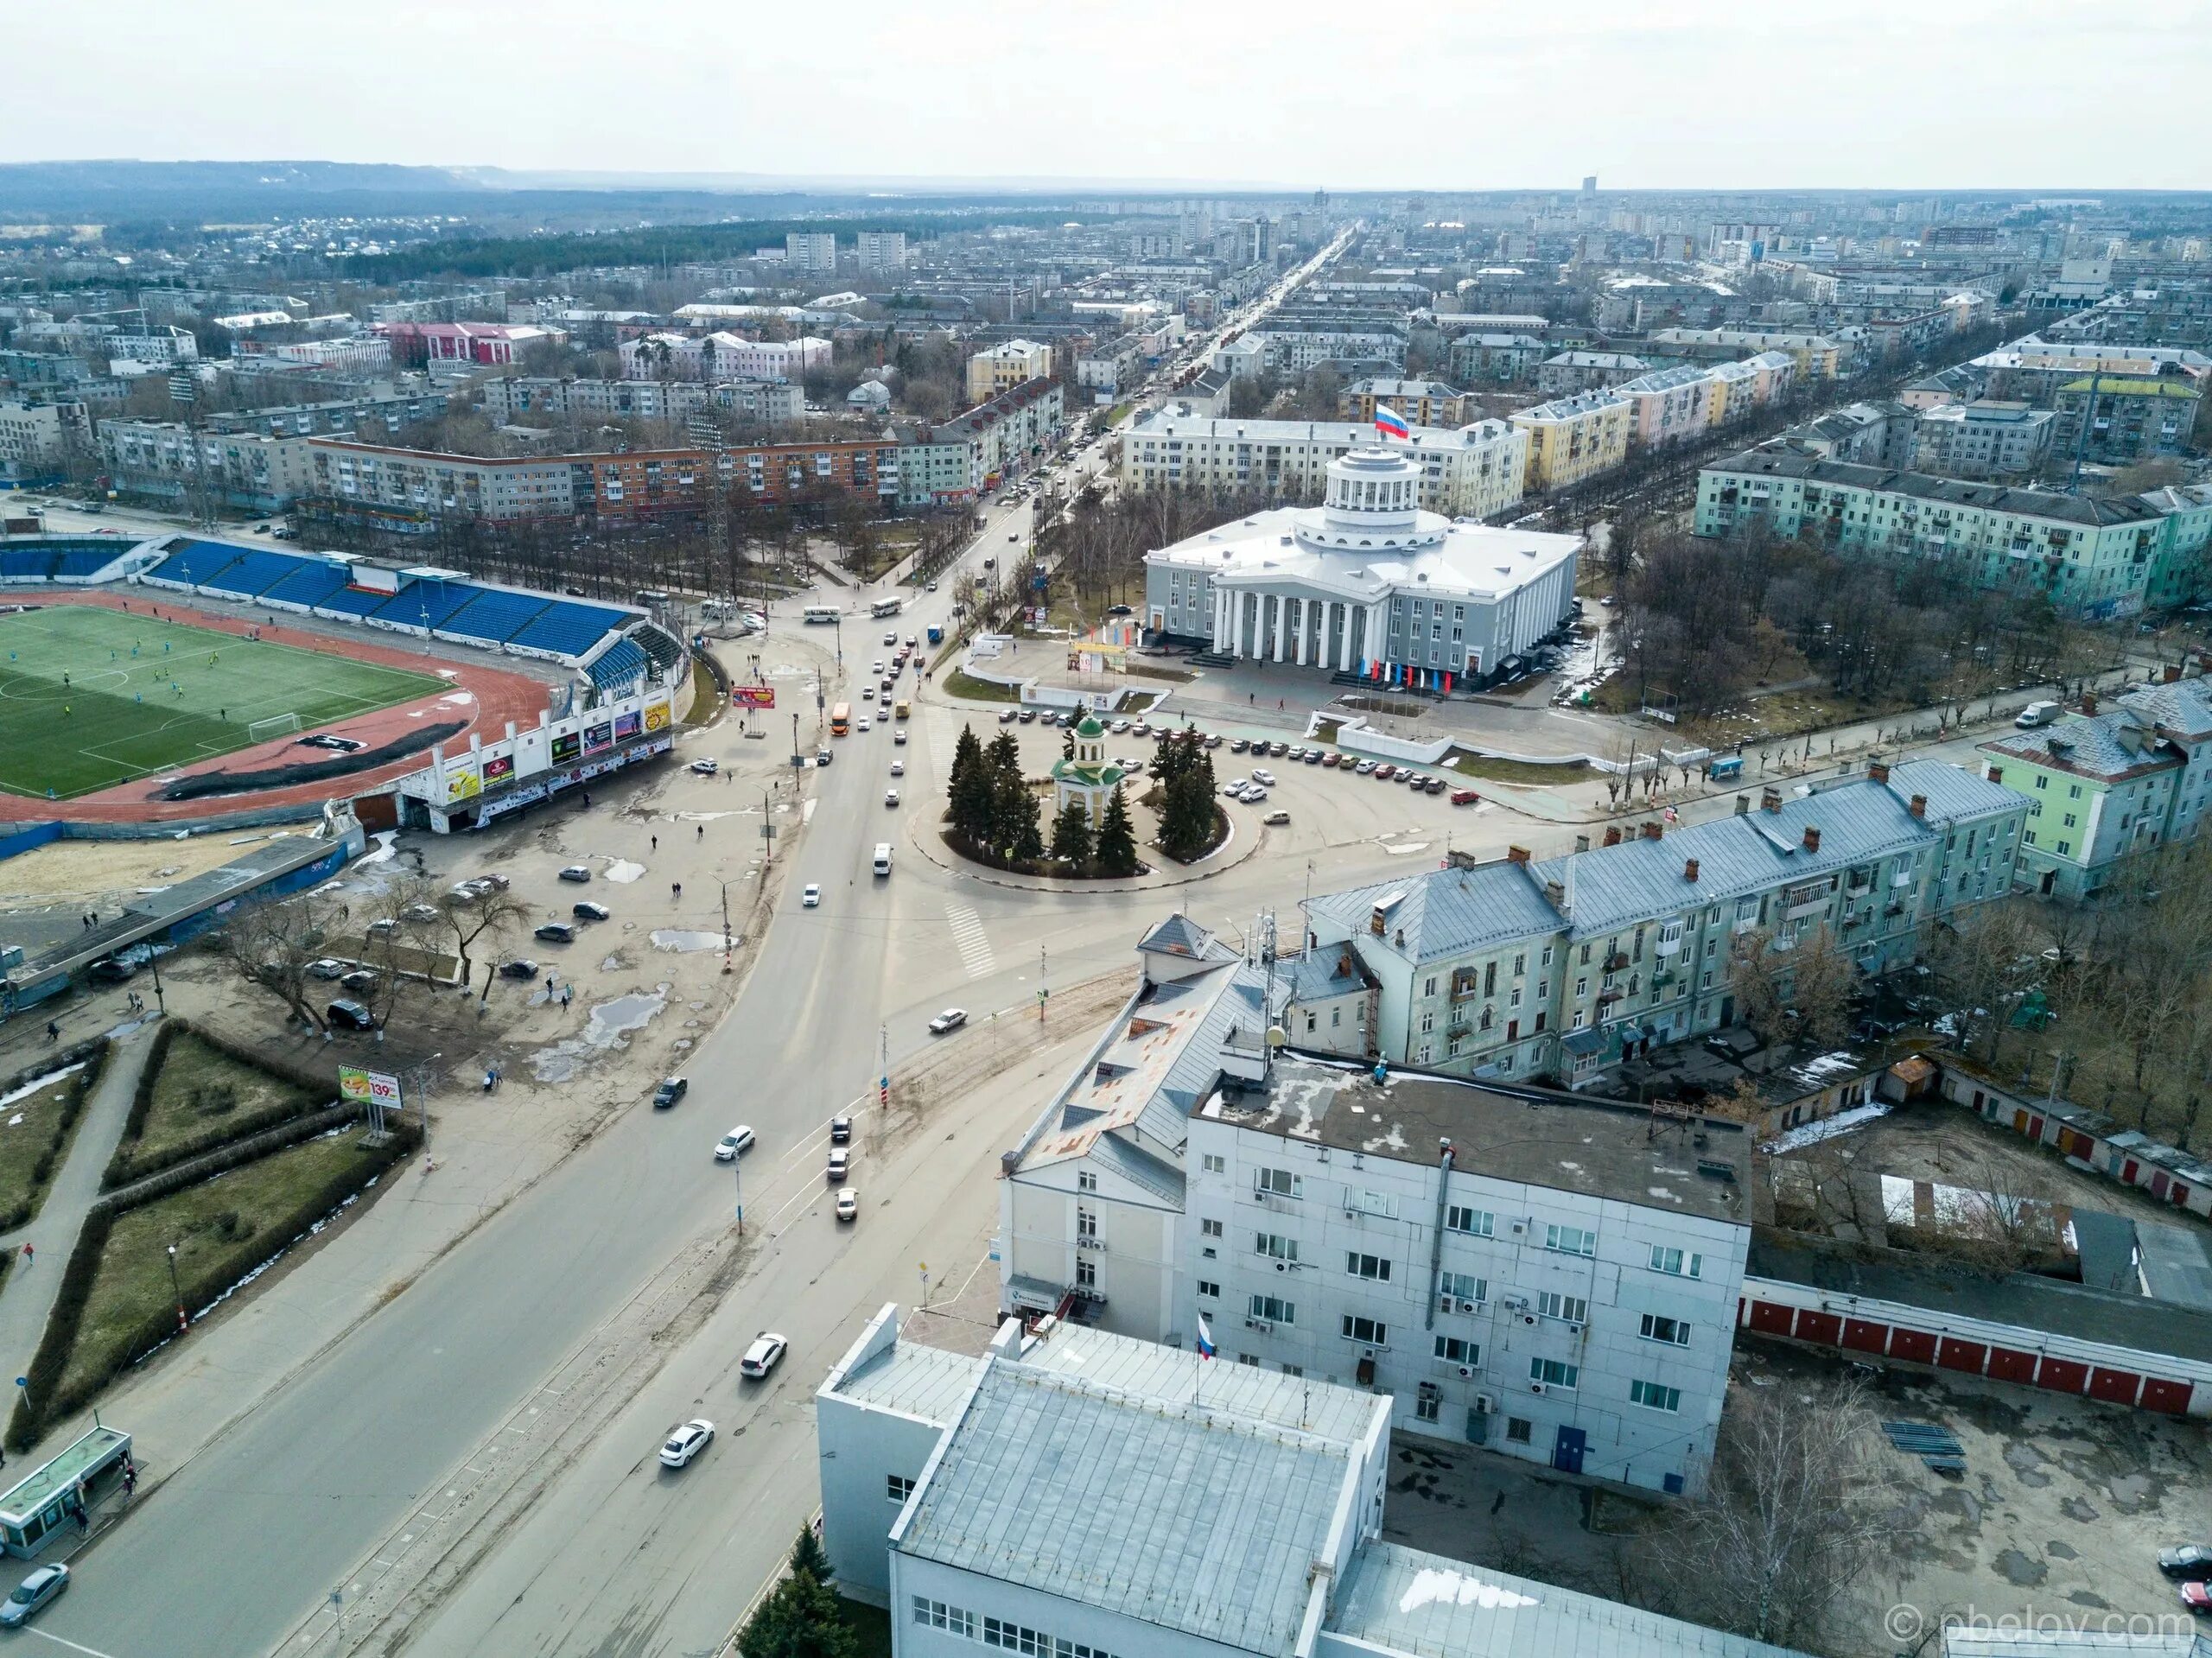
pixel 1368 583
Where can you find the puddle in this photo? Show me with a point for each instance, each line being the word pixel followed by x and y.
pixel 622 870
pixel 610 964
pixel 609 1023
pixel 679 938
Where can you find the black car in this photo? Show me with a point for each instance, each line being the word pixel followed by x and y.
pixel 556 932
pixel 110 969
pixel 2190 1560
pixel 517 970
pixel 361 980
pixel 351 1016
pixel 671 1090
pixel 840 1131
pixel 589 911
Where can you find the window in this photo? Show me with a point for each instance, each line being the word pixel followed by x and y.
pixel 1274 1310
pixel 1657 1329
pixel 1573 1309
pixel 1086 1223
pixel 1571 1239
pixel 1546 958
pixel 1581 988
pixel 1428 985
pixel 1518 1429
pixel 1676 1262
pixel 1462 1287
pixel 1086 1181
pixel 1554 1373
pixel 1209 1228
pixel 1369 1333
pixel 1214 1163
pixel 1453 1349
pixel 1275 1246
pixel 936 1615
pixel 1427 1405
pixel 1369 1267
pixel 1210 1292
pixel 1652 1396
pixel 1086 1272
pixel 1479 1222
pixel 898 1487
pixel 1277 1183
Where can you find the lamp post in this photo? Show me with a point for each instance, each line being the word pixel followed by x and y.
pixel 183 1323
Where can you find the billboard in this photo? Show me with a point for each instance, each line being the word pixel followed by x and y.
pixel 498 768
pixel 657 714
pixel 625 725
pixel 567 747
pixel 367 1087
pixel 598 737
pixel 754 696
pixel 462 782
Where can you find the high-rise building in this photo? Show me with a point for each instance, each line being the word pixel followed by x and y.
pixel 811 252
pixel 1589 184
pixel 882 250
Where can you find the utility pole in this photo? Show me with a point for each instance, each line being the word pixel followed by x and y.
pixel 1044 989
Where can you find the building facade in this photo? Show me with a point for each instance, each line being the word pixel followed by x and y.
pixel 1986 439
pixel 2129 419
pixel 1006 435
pixel 36 439
pixel 1002 367
pixel 1421 402
pixel 881 252
pixel 1572 439
pixel 1571 371
pixel 164 462
pixel 810 253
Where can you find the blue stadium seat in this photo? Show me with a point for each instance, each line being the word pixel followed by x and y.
pixel 621 663
pixel 311 583
pixel 567 627
pixel 425 604
pixel 252 572
pixel 494 615
pixel 195 561
pixel 84 560
pixel 28 564
pixel 351 601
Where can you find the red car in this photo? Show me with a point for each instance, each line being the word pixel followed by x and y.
pixel 1465 796
pixel 2197 1597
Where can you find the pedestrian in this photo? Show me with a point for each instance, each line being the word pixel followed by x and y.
pixel 676 890
pixel 1252 697
pixel 53 1032
pixel 656 839
pixel 703 831
pixel 29 1252
pixel 548 981
pixel 567 995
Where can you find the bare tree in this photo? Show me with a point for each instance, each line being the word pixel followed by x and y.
pixel 1821 985
pixel 1755 977
pixel 488 916
pixel 1800 1503
pixel 272 947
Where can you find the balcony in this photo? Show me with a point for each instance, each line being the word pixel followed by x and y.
pixel 1617 962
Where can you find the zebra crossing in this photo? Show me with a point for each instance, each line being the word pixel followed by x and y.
pixel 969 939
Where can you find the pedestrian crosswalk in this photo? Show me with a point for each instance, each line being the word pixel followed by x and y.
pixel 969 939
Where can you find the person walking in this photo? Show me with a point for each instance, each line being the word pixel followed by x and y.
pixel 676 891
pixel 29 1254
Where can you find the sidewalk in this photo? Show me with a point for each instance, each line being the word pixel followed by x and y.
pixel 32 1287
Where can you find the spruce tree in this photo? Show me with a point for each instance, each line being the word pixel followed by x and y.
pixel 1071 833
pixel 968 791
pixel 809 1556
pixel 1118 842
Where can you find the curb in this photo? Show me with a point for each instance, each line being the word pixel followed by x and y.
pixel 934 851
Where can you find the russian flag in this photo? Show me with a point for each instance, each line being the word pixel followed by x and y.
pixel 1205 1337
pixel 1390 422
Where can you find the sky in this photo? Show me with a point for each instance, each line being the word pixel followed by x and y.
pixel 1453 94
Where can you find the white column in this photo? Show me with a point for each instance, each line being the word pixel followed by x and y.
pixel 1220 617
pixel 1297 640
pixel 1282 644
pixel 1343 650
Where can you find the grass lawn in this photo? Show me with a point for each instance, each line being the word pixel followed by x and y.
pixel 222 1229
pixel 871 1626
pixel 199 1088
pixel 78 711
pixel 28 1130
pixel 958 683
pixel 1502 771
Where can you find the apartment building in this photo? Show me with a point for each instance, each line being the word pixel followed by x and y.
pixel 1005 435
pixel 1110 366
pixel 1002 367
pixel 159 346
pixel 2034 370
pixel 717 357
pixel 769 401
pixel 882 252
pixel 162 462
pixel 37 438
pixel 1983 439
pixel 1496 359
pixel 1471 472
pixel 810 253
pixel 1816 357
pixel 2106 786
pixel 2094 558
pixel 1571 439
pixel 1571 371
pixel 1298 338
pixel 1562 968
pixel 395 409
pixel 778 474
pixel 418 486
pixel 2129 418
pixel 1668 406
pixel 1421 402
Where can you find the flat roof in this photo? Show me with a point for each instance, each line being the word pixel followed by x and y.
pixel 912 1379
pixel 73 1462
pixel 1537 1137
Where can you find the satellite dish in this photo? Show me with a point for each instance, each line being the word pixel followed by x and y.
pixel 1277 1037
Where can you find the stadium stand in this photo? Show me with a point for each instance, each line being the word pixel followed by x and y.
pixel 250 573
pixel 619 667
pixel 425 604
pixel 310 583
pixel 659 644
pixel 29 563
pixel 567 628
pixel 494 616
pixel 190 564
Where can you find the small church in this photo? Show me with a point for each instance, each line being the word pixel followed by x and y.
pixel 1088 776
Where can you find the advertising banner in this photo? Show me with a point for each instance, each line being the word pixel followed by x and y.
pixel 598 737
pixel 365 1087
pixel 754 696
pixel 656 714
pixel 498 768
pixel 462 782
pixel 566 747
pixel 626 725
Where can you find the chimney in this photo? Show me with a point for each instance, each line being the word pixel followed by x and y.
pixel 1555 894
pixel 1769 800
pixel 2088 702
pixel 1516 854
pixel 1743 806
pixel 1653 831
pixel 1582 843
pixel 1613 834
pixel 1689 872
pixel 1919 807
pixel 1878 771
pixel 1812 838
pixel 2170 674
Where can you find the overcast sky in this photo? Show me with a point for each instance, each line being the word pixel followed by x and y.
pixel 1453 93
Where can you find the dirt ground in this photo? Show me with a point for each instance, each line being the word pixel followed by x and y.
pixel 47 888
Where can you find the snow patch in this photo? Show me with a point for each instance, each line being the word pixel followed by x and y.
pixel 1812 1133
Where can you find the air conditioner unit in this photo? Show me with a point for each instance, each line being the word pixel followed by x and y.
pixel 1251 1324
pixel 1535 1387
pixel 1485 1404
pixel 1528 1317
pixel 1445 1304
pixel 1574 1330
pixel 1519 1226
pixel 1262 1326
pixel 1466 1372
pixel 1283 1266
pixel 1470 1306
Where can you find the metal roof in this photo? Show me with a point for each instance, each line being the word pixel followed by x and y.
pixel 1186 1516
pixel 1403 1600
pixel 1448 911
pixel 912 1379
pixel 1772 462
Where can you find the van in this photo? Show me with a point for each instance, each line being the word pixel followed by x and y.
pixel 2036 713
pixel 883 857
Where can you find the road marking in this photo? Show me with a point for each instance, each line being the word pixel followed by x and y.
pixel 969 939
pixel 91 1652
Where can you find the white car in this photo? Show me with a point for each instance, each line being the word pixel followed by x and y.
pixel 861 722
pixel 327 968
pixel 841 1164
pixel 734 1145
pixel 897 768
pixel 1264 777
pixel 811 898
pixel 763 1355
pixel 1235 787
pixel 705 768
pixel 685 1441
pixel 899 736
pixel 877 669
pixel 849 1203
pixel 890 796
pixel 951 1020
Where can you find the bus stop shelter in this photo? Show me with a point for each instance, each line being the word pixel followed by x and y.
pixel 37 1505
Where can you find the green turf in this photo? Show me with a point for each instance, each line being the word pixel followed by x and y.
pixel 187 696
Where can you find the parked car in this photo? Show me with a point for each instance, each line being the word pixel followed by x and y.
pixel 951 1020
pixel 588 911
pixel 555 932
pixel 1276 818
pixel 734 1145
pixel 493 881
pixel 2186 1560
pixel 1364 768
pixel 576 871
pixel 705 767
pixel 811 898
pixel 822 757
pixel 42 1586
pixel 671 1090
pixel 345 1014
pixel 848 1204
pixel 1213 740
pixel 1007 716
pixel 767 1351
pixel 419 913
pixel 1465 796
pixel 1028 716
pixel 520 968
pixel 380 928
pixel 840 1131
pixel 1255 795
pixel 1263 777
pixel 1332 759
pixel 685 1441
pixel 360 981
pixel 1297 753
pixel 1239 745
pixel 1384 773
pixel 1278 749
pixel 1118 727
pixel 1313 757
pixel 2197 1597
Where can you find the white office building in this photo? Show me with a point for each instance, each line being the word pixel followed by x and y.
pixel 1368 583
pixel 1070 1494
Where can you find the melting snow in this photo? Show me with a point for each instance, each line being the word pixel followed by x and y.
pixel 1812 1133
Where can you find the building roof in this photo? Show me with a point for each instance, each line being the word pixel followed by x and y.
pixel 1180 936
pixel 1537 1137
pixel 910 1378
pixel 1405 1601
pixel 1451 912
pixel 1191 1518
pixel 2135 387
pixel 1771 462
pixel 2110 748
pixel 2182 709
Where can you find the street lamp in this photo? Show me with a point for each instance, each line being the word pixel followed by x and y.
pixel 183 1323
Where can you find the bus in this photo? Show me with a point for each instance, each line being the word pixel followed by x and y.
pixel 826 615
pixel 886 607
pixel 841 720
pixel 902 709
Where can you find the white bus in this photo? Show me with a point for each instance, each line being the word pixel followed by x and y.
pixel 886 607
pixel 826 615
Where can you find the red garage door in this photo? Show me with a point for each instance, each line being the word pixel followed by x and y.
pixel 2009 1364
pixel 1955 1355
pixel 2166 1395
pixel 2063 1375
pixel 1918 1345
pixel 1822 1327
pixel 2118 1387
pixel 1866 1336
pixel 1771 1318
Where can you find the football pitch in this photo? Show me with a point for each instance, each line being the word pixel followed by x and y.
pixel 92 697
